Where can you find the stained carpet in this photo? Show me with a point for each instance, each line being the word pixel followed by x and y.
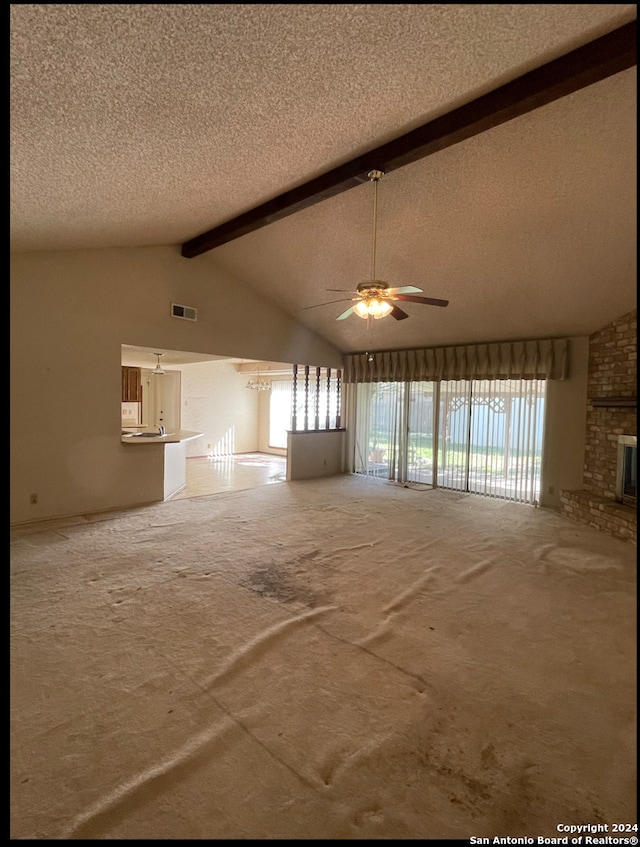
pixel 330 659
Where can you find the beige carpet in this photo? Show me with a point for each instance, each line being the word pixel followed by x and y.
pixel 333 659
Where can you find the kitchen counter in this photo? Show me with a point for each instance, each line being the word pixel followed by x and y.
pixel 171 437
pixel 173 457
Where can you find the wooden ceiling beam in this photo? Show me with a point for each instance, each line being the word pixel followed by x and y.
pixel 591 63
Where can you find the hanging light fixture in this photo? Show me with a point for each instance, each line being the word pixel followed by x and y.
pixel 374 298
pixel 374 303
pixel 257 383
pixel 158 368
pixel 373 306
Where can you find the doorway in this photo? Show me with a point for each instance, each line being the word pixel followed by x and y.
pixel 215 475
pixel 477 436
pixel 215 398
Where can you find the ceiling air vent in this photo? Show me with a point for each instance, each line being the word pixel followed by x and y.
pixel 187 313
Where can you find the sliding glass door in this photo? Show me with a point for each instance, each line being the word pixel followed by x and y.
pixel 380 428
pixel 421 397
pixel 479 436
pixel 454 410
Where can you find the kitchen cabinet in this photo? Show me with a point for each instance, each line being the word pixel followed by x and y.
pixel 131 385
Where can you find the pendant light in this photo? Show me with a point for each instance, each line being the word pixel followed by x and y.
pixel 158 368
pixel 257 383
pixel 374 304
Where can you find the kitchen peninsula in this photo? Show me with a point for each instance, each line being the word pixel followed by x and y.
pixel 171 450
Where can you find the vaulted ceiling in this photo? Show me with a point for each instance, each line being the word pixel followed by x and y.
pixel 138 125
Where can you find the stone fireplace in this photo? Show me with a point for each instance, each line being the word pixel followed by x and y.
pixel 607 500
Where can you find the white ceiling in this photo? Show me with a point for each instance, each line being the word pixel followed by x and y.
pixel 145 357
pixel 149 124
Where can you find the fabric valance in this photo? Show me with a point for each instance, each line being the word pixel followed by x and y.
pixel 539 359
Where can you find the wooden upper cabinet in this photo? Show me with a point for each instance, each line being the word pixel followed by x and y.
pixel 131 385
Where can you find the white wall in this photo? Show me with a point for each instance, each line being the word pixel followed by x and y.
pixel 565 427
pixel 216 402
pixel 175 468
pixel 314 454
pixel 70 313
pixel 161 399
pixel 232 418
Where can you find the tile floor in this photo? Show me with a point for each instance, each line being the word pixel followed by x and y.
pixel 231 473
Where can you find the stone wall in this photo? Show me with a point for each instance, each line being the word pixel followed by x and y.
pixel 612 376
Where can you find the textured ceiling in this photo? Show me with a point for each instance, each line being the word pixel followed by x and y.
pixel 150 124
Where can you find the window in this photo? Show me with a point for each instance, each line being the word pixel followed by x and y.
pixel 317 404
pixel 280 412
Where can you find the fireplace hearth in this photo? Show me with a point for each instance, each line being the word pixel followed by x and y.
pixel 608 497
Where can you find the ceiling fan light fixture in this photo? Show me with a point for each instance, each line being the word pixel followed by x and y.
pixel 361 309
pixel 373 307
pixel 379 308
pixel 375 298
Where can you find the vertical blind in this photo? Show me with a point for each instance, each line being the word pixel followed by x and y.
pixel 280 411
pixel 490 437
pixel 466 417
pixel 479 436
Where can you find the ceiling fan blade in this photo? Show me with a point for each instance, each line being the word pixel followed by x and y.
pixel 405 289
pixel 341 300
pixel 398 314
pixel 346 290
pixel 345 314
pixel 413 298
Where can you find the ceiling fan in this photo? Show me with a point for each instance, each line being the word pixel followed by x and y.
pixel 375 298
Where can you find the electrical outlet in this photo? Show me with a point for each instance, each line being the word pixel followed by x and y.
pixel 33 499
